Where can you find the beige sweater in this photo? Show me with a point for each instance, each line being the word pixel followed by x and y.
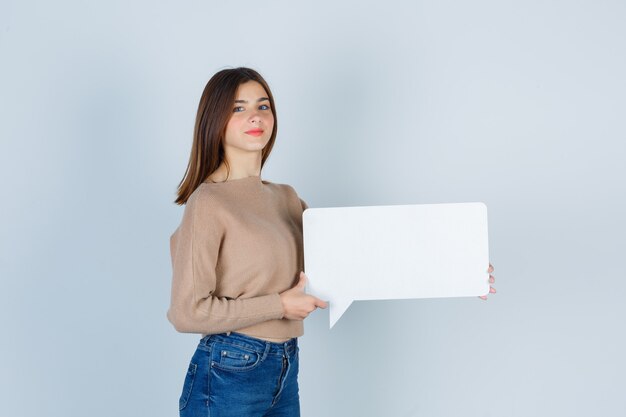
pixel 238 246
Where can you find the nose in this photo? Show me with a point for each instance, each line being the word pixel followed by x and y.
pixel 255 118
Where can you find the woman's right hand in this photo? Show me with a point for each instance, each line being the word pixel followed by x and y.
pixel 297 304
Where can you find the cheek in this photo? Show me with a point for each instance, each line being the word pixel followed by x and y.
pixel 234 121
pixel 233 125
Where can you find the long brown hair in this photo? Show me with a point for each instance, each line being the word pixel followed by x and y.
pixel 214 112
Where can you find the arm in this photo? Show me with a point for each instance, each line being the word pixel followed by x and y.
pixel 194 249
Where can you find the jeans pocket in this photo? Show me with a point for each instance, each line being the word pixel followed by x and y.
pixel 187 386
pixel 234 357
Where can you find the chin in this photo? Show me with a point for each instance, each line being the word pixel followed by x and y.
pixel 254 146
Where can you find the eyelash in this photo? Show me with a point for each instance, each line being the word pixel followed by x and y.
pixel 239 107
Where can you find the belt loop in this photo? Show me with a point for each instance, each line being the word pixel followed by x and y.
pixel 266 351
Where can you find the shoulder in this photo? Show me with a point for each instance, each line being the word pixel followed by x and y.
pixel 286 191
pixel 204 205
pixel 291 195
pixel 285 188
pixel 202 196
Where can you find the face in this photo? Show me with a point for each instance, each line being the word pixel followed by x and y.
pixel 251 113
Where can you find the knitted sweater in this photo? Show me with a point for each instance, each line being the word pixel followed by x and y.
pixel 238 246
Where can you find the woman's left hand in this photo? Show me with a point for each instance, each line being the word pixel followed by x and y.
pixel 491 281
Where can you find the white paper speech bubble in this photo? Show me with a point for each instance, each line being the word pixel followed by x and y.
pixel 395 252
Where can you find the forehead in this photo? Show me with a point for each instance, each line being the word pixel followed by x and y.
pixel 250 89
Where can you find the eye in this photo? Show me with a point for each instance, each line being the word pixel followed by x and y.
pixel 238 107
pixel 265 105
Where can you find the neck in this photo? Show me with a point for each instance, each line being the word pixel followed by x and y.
pixel 242 165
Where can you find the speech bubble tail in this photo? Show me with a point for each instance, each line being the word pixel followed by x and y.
pixel 337 308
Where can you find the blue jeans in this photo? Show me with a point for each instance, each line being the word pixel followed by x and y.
pixel 242 376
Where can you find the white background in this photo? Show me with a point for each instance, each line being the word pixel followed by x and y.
pixel 517 104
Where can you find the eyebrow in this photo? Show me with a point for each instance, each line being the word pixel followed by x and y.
pixel 245 101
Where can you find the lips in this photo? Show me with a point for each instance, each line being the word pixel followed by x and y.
pixel 255 132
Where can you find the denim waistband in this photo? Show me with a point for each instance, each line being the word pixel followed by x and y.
pixel 260 345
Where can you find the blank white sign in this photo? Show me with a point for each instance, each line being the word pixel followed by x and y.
pixel 395 252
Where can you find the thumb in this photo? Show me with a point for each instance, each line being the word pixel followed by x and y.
pixel 302 281
pixel 321 303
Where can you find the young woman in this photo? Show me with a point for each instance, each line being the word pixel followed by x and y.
pixel 237 259
pixel 236 256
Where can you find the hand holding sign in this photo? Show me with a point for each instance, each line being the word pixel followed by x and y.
pixel 297 304
pixel 492 279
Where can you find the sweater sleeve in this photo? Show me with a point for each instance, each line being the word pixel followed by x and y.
pixel 194 250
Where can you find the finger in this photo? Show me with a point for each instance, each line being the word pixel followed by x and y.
pixel 492 290
pixel 320 303
pixel 482 297
pixel 490 270
pixel 491 279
